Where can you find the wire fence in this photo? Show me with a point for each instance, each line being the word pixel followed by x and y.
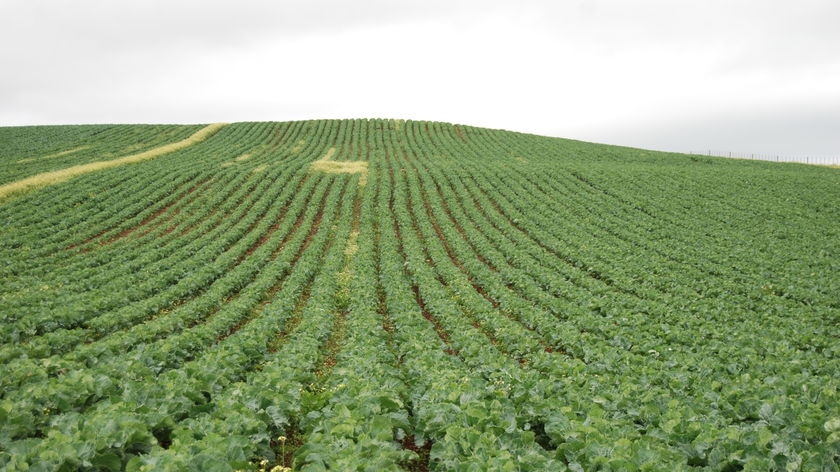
pixel 817 160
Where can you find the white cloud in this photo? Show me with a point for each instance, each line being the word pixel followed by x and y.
pixel 589 69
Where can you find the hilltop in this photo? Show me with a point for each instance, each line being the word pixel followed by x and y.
pixel 407 295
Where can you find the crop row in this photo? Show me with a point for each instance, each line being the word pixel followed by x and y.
pixel 468 299
pixel 56 147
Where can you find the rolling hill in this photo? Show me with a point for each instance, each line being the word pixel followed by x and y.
pixel 407 295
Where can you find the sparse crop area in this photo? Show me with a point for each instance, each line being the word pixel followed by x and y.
pixel 406 295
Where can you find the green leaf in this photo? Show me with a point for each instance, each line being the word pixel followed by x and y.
pixel 108 461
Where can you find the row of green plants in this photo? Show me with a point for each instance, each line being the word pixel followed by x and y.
pixel 159 272
pixel 27 151
pixel 172 351
pixel 474 300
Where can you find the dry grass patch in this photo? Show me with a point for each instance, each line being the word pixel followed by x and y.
pixel 352 244
pixel 329 155
pixel 345 277
pixel 50 178
pixel 243 157
pixel 333 167
pixel 326 164
pixel 298 146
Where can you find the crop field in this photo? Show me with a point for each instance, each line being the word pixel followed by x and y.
pixel 406 295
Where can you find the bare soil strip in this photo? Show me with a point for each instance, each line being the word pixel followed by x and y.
pixel 50 178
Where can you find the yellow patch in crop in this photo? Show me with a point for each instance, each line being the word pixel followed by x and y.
pixel 243 157
pixel 49 178
pixel 260 168
pixel 298 146
pixel 51 156
pixel 347 167
pixel 345 277
pixel 352 244
pixel 326 164
pixel 329 155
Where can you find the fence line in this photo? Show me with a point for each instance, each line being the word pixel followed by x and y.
pixel 818 160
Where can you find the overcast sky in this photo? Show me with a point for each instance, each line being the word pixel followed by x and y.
pixel 732 75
